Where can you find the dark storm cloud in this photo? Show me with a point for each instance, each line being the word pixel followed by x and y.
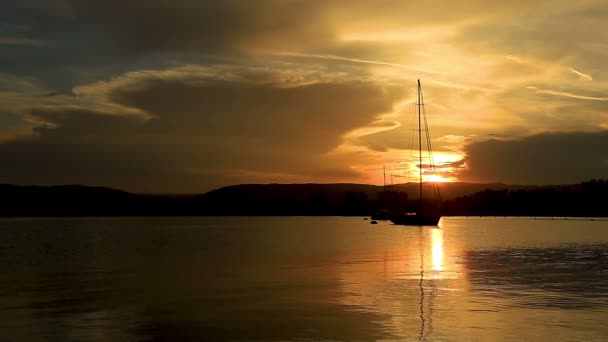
pixel 551 158
pixel 86 148
pixel 89 32
pixel 202 131
pixel 74 41
pixel 263 110
pixel 144 26
pixel 208 26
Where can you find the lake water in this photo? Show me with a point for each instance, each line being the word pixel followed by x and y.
pixel 302 278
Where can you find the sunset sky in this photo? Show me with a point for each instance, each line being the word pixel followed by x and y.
pixel 189 95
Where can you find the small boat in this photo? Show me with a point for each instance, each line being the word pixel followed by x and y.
pixel 425 212
pixel 382 215
pixel 389 201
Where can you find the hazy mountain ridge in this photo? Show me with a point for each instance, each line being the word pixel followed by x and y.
pixel 448 190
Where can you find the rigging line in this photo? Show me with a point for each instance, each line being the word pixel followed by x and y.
pixel 429 151
pixel 427 136
pixel 410 145
pixel 428 142
pixel 431 157
pixel 384 177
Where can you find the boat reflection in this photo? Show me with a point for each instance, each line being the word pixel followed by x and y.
pixel 420 266
pixel 417 282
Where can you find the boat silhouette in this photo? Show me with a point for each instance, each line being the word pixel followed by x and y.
pixel 423 212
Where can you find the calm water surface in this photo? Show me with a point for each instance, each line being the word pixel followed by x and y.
pixel 299 278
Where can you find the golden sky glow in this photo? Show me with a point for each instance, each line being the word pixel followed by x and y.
pixel 300 91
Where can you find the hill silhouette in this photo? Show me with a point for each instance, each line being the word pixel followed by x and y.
pixel 585 199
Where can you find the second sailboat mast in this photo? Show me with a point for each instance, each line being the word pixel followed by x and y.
pixel 420 143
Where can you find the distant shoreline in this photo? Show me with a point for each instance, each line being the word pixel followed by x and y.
pixel 584 200
pixel 539 218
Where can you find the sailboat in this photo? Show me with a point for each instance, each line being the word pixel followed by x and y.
pixel 389 200
pixel 382 212
pixel 425 212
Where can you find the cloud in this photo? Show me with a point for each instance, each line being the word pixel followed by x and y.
pixel 377 148
pixel 357 60
pixel 522 33
pixel 230 28
pixel 581 75
pixel 203 26
pixel 166 69
pixel 149 34
pixel 541 35
pixel 452 138
pixel 22 41
pixel 455 164
pixel 534 111
pixel 550 158
pixel 203 128
pixel 566 94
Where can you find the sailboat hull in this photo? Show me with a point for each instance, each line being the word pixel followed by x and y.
pixel 416 220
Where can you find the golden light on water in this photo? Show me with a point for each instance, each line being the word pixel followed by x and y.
pixel 437 249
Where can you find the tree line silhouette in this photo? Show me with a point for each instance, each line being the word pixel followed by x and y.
pixel 589 199
pixel 585 199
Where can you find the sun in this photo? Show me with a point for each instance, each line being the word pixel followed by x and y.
pixel 436 179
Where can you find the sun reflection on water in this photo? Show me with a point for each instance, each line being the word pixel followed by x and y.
pixel 437 249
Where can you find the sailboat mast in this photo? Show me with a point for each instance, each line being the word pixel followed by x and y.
pixel 384 176
pixel 420 144
pixel 421 217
